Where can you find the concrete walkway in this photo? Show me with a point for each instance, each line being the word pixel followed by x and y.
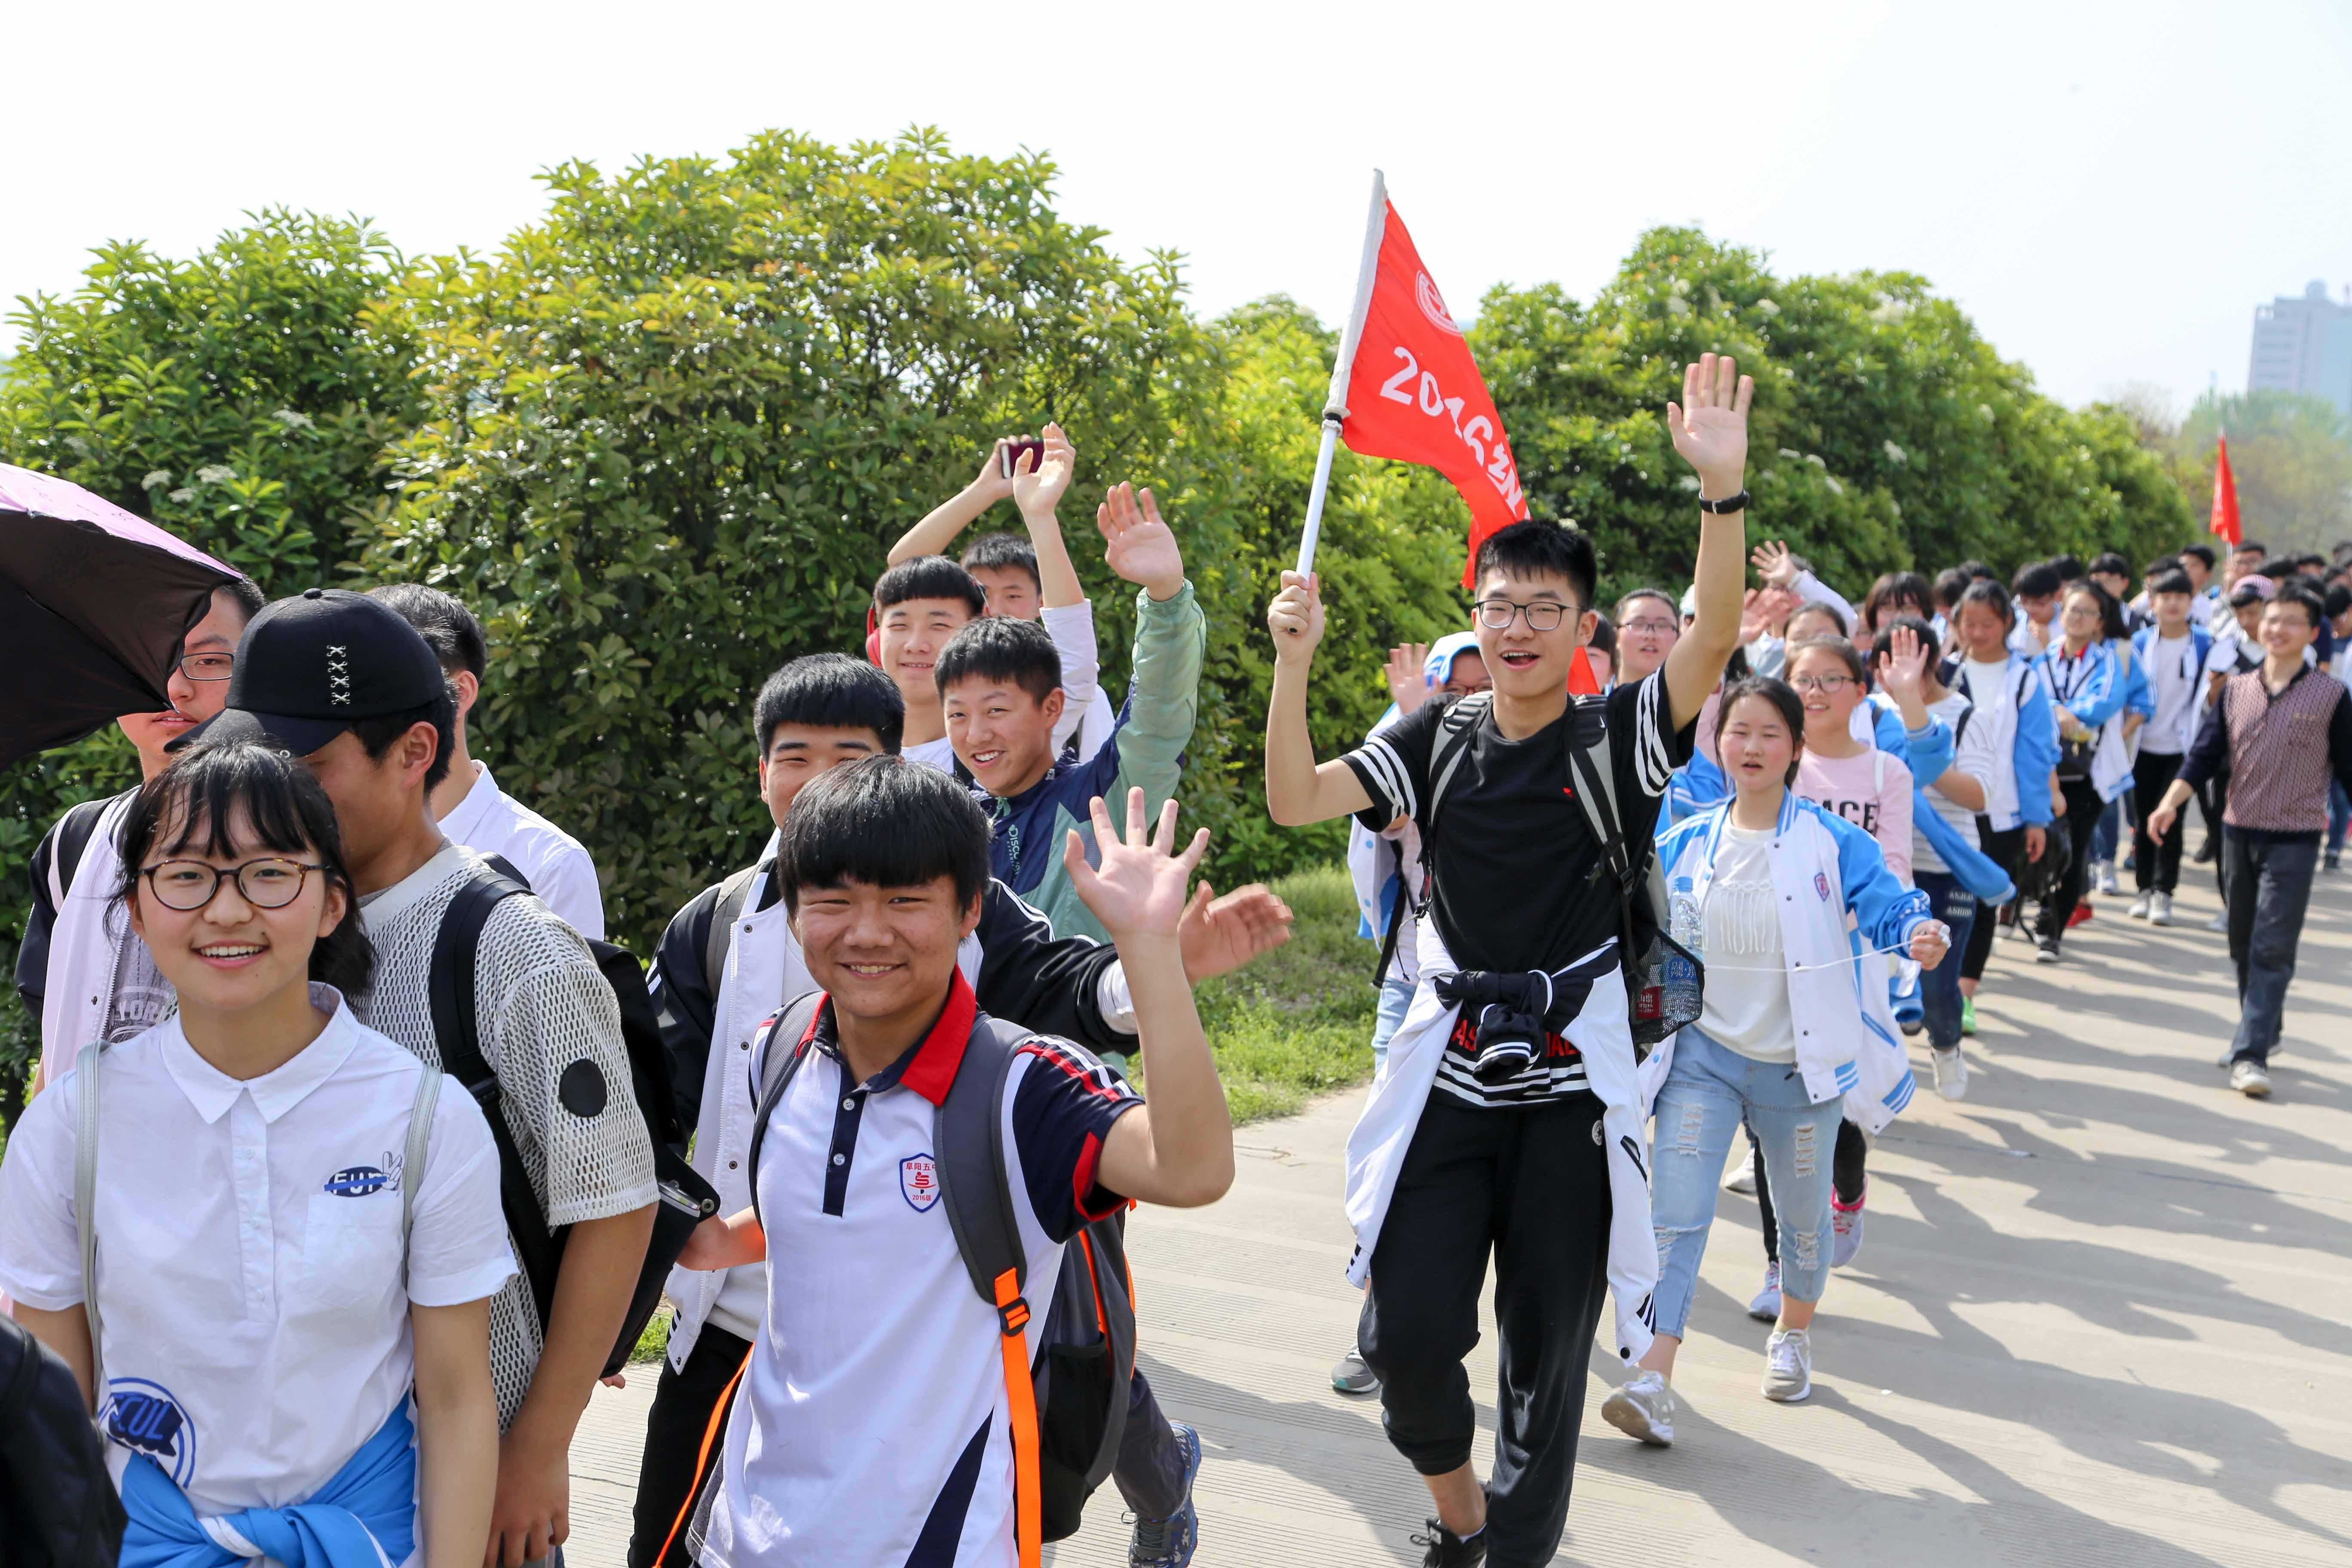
pixel 2100 1317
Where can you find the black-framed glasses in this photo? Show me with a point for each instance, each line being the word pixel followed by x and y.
pixel 1543 616
pixel 271 882
pixel 1821 683
pixel 207 666
pixel 1654 628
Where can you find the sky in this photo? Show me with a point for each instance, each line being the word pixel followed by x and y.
pixel 2108 190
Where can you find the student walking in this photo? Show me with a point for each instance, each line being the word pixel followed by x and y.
pixel 2284 730
pixel 2173 650
pixel 1764 885
pixel 2007 696
pixel 1512 1130
pixel 294 1222
pixel 2088 687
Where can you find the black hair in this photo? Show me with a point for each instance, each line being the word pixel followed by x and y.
pixel 376 735
pixel 1884 643
pixel 1604 637
pixel 996 648
pixel 1897 587
pixel 1003 552
pixel 247 594
pixel 2311 562
pixel 2069 566
pixel 448 628
pixel 211 786
pixel 1537 549
pixel 1781 695
pixel 1950 583
pixel 830 691
pixel 2112 624
pixel 2338 600
pixel 1988 591
pixel 2109 564
pixel 2204 552
pixel 2313 605
pixel 1674 606
pixel 1844 650
pixel 886 823
pixel 2246 546
pixel 2175 580
pixel 2161 564
pixel 2037 581
pixel 1977 571
pixel 2278 568
pixel 1836 615
pixel 929 577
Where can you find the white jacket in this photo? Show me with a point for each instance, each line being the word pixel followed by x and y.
pixel 1825 869
pixel 1376 1148
pixel 85 949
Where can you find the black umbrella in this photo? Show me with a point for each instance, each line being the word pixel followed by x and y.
pixel 93 605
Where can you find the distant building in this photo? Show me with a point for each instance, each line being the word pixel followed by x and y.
pixel 2305 345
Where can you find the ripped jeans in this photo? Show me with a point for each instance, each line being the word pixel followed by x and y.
pixel 1708 1091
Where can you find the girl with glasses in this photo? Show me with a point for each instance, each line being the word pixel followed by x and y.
pixel 268 1249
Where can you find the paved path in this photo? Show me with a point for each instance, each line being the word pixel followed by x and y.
pixel 2101 1317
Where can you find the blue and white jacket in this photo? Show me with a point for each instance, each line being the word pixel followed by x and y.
pixel 2094 688
pixel 1825 870
pixel 2201 645
pixel 2025 742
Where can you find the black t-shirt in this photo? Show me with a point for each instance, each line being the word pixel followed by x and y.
pixel 1513 854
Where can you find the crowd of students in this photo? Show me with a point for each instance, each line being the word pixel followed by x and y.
pixel 330 1307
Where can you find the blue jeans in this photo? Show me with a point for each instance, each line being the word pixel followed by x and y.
pixel 2110 829
pixel 1708 1091
pixel 1396 997
pixel 1939 988
pixel 2339 816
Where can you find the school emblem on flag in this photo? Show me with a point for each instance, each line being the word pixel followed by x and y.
pixel 1822 885
pixel 918 1181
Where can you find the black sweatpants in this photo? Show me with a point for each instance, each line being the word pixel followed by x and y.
pixel 2081 821
pixel 1531 1186
pixel 1849 1174
pixel 2005 848
pixel 683 1435
pixel 2156 867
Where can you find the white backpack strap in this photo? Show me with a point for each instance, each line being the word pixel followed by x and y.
pixel 85 1203
pixel 411 1160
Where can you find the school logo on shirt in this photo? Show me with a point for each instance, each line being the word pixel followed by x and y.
pixel 146 1418
pixel 1822 885
pixel 918 1181
pixel 360 1181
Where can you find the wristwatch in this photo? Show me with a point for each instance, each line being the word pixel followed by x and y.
pixel 1727 504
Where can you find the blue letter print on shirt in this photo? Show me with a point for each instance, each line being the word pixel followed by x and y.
pixel 918 1181
pixel 359 1181
pixel 144 1418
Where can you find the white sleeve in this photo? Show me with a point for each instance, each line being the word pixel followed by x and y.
pixel 1116 1002
pixel 40 1249
pixel 457 1248
pixel 565 881
pixel 1813 591
pixel 1072 628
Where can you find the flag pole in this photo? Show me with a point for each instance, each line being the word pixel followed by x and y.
pixel 1334 403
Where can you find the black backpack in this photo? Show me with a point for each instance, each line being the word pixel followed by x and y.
pixel 1665 981
pixel 57 1507
pixel 687 1199
pixel 1069 1408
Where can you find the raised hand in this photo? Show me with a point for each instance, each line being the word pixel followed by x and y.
pixel 1139 889
pixel 1709 427
pixel 1774 563
pixel 1407 683
pixel 1296 616
pixel 1220 935
pixel 1903 672
pixel 1038 482
pixel 991 485
pixel 1139 547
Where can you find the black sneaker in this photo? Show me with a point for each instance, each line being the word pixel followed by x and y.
pixel 1170 1542
pixel 1447 1550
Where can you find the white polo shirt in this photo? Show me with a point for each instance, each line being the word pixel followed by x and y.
pixel 490 821
pixel 249 1249
pixel 872 1424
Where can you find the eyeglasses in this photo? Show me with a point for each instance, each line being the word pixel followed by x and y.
pixel 269 883
pixel 1654 628
pixel 1543 616
pixel 207 666
pixel 1824 684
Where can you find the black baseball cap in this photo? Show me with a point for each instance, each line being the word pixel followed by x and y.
pixel 309 667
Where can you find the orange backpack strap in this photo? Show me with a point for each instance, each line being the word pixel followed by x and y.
pixel 1021 1399
pixel 711 1437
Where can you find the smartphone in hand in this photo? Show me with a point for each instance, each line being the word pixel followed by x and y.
pixel 1010 453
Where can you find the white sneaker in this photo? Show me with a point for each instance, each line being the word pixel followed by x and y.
pixel 1766 1307
pixel 1789 1366
pixel 2141 905
pixel 2108 883
pixel 2250 1079
pixel 2219 922
pixel 1951 1073
pixel 1742 1179
pixel 1642 1407
pixel 2159 909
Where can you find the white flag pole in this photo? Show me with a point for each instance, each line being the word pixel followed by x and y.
pixel 1334 403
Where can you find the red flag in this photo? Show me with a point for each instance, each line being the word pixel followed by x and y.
pixel 1581 681
pixel 1413 392
pixel 2225 495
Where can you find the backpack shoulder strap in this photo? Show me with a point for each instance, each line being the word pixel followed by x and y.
pixel 75 829
pixel 1592 778
pixel 456 1026
pixel 1455 726
pixel 85 1076
pixel 721 934
pixel 977 1187
pixel 412 1161
pixel 778 1066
